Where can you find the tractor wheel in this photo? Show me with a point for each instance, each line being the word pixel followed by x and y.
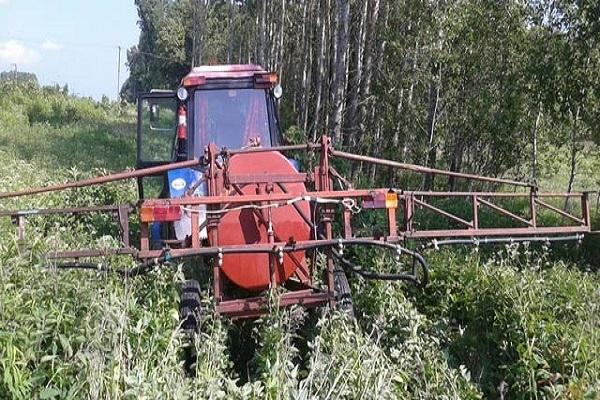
pixel 343 294
pixel 190 310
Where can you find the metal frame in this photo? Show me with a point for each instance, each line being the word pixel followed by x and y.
pixel 401 211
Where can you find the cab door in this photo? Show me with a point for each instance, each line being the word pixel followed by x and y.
pixel 157 129
pixel 156 138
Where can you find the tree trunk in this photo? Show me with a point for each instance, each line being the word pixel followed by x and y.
pixel 280 42
pixel 431 157
pixel 262 32
pixel 303 106
pixel 198 15
pixel 573 159
pixel 457 157
pixel 339 82
pixel 374 49
pixel 357 52
pixel 534 149
pixel 231 34
pixel 376 150
pixel 321 72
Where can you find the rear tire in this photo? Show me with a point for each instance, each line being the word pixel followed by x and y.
pixel 190 314
pixel 190 308
pixel 343 296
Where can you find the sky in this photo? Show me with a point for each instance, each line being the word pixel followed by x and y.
pixel 73 42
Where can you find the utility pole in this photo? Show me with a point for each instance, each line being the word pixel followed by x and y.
pixel 119 74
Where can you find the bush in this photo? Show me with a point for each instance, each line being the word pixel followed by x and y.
pixel 524 326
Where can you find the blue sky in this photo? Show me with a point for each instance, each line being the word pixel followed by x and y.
pixel 69 41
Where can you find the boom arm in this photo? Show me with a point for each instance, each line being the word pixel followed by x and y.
pixel 402 208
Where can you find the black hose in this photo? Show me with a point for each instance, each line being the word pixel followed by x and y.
pixel 357 269
pixel 351 267
pixel 140 269
pixel 146 266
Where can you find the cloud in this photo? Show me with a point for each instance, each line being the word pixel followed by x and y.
pixel 12 51
pixel 50 45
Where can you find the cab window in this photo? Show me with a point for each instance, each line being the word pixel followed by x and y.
pixel 232 118
pixel 157 129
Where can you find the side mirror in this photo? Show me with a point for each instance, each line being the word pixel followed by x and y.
pixel 278 91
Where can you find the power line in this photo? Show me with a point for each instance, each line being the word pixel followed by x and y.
pixel 94 45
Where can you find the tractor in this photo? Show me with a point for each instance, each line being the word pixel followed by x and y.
pixel 217 183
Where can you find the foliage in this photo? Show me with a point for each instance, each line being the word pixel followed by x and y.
pixel 517 323
pixel 19 76
pixel 474 86
pixel 524 325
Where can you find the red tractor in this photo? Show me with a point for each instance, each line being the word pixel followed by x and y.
pixel 217 183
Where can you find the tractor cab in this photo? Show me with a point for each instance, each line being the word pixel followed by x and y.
pixel 232 106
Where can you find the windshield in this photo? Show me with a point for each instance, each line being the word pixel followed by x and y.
pixel 232 118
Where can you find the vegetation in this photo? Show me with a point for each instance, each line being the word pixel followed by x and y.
pixel 516 323
pixel 500 88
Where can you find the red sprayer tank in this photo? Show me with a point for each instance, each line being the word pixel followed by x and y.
pixel 250 225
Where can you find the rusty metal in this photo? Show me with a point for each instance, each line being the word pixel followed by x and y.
pixel 265 178
pixel 257 198
pixel 213 220
pixel 307 146
pixel 102 179
pixel 495 194
pixel 504 212
pixel 442 212
pixel 475 212
pixel 68 210
pixel 253 307
pixel 421 169
pixel 21 223
pixel 90 253
pixel 482 232
pixel 123 213
pixel 560 212
pixel 121 210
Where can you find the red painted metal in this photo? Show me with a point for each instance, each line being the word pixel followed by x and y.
pixel 254 307
pixel 103 179
pixel 203 74
pixel 250 271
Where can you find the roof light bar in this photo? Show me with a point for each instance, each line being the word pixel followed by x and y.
pixel 265 79
pixel 193 81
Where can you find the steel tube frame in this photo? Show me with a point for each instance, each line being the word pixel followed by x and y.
pixel 102 179
pixel 219 182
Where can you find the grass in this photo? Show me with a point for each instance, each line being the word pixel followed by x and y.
pixel 518 322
